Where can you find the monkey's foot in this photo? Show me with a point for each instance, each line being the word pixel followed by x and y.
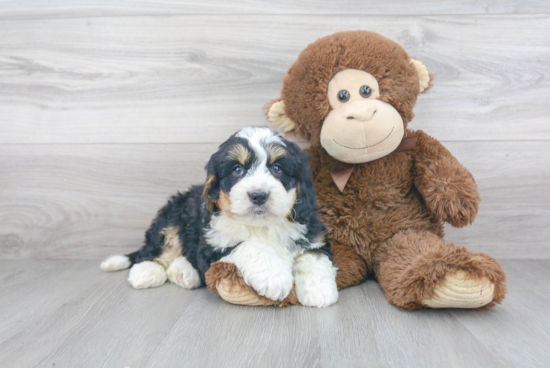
pixel 459 290
pixel 225 279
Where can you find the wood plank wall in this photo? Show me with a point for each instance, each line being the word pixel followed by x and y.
pixel 108 107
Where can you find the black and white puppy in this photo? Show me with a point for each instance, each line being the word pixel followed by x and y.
pixel 257 210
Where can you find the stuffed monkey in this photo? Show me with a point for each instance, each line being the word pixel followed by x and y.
pixel 383 190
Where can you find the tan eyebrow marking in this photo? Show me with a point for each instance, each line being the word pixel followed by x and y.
pixel 239 153
pixel 275 152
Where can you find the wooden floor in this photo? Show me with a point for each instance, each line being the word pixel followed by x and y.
pixel 68 313
pixel 109 107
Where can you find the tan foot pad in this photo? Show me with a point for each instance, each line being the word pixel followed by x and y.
pixel 243 296
pixel 460 291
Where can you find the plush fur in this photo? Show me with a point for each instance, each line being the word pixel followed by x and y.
pixel 412 263
pixel 305 85
pixel 388 221
pixel 234 285
pixel 257 211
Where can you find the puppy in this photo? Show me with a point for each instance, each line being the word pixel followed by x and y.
pixel 257 211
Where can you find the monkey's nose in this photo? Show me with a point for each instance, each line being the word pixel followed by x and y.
pixel 363 114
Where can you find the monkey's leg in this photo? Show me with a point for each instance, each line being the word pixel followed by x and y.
pixel 225 279
pixel 418 269
pixel 352 269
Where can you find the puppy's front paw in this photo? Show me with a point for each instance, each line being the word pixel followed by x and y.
pixel 274 285
pixel 263 269
pixel 315 278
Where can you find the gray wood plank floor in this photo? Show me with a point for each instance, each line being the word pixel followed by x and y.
pixel 68 313
pixel 108 107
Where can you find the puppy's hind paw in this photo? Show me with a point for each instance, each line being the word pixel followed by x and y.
pixel 182 273
pixel 147 274
pixel 115 263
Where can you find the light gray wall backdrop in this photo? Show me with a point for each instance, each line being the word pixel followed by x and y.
pixel 108 107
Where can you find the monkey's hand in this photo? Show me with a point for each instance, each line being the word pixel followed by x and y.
pixel 448 188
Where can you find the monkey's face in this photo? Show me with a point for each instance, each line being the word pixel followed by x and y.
pixel 359 127
pixel 353 93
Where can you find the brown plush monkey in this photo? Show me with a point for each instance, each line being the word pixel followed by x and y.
pixel 383 190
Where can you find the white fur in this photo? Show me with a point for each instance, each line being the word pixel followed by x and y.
pixel 263 268
pixel 115 263
pixel 315 280
pixel 279 234
pixel 147 274
pixel 279 203
pixel 265 238
pixel 182 273
pixel 259 179
pixel 258 138
pixel 255 135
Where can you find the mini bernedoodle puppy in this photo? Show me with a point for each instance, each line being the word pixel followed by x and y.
pixel 257 211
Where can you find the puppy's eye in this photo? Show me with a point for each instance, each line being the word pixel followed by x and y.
pixel 365 91
pixel 343 96
pixel 238 170
pixel 276 169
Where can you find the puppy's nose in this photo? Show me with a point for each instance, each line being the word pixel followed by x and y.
pixel 258 198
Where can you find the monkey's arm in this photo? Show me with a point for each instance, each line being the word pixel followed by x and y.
pixel 448 188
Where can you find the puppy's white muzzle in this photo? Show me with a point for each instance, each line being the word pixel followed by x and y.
pixel 260 195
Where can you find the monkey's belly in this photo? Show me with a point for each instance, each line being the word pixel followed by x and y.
pixel 365 225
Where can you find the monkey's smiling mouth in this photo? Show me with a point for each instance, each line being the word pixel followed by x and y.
pixel 372 145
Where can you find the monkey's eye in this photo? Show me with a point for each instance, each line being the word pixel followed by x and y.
pixel 238 170
pixel 343 96
pixel 276 169
pixel 365 91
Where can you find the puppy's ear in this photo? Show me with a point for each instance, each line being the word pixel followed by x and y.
pixel 276 114
pixel 212 186
pixel 305 208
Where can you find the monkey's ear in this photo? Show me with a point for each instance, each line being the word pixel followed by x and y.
pixel 423 75
pixel 275 112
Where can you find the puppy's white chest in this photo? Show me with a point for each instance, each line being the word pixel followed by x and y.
pixel 280 235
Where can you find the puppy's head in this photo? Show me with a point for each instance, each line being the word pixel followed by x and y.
pixel 257 176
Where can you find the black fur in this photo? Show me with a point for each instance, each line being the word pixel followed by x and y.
pixel 305 209
pixel 190 212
